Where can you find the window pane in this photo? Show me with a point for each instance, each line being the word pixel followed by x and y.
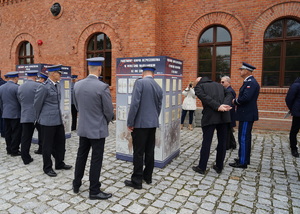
pixel 271 64
pixel 205 52
pixel 21 61
pixel 275 30
pixel 207 36
pixel 293 48
pixel 223 51
pixel 205 66
pixel 272 49
pixel 27 61
pixel 223 35
pixel 91 45
pixel 292 63
pixel 28 49
pixel 22 50
pixel 293 28
pixel 270 79
pixel 108 43
pixel 100 41
pixel 290 77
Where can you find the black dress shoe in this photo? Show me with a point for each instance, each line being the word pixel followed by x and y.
pixel 197 169
pixel 295 153
pixel 38 152
pixel 217 169
pixel 148 181
pixel 75 189
pixel 51 173
pixel 238 165
pixel 66 167
pixel 130 184
pixel 237 160
pixel 100 196
pixel 28 162
pixel 16 154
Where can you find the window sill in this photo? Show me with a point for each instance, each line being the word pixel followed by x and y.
pixel 274 90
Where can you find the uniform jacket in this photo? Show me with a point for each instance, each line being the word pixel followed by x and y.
pixel 212 95
pixel 93 101
pixel 232 111
pixel 146 102
pixel 9 103
pixel 47 104
pixel 26 93
pixel 189 102
pixel 292 98
pixel 247 100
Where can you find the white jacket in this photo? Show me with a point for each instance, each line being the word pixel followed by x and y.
pixel 189 102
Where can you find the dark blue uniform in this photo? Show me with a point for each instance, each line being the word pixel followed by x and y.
pixel 247 113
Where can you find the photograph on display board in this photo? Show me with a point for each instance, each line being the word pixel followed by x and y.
pixel 131 84
pixel 159 82
pixel 122 85
pixel 167 101
pixel 129 99
pixel 179 99
pixel 124 138
pixel 167 117
pixel 179 85
pixel 173 100
pixel 122 112
pixel 174 85
pixel 167 85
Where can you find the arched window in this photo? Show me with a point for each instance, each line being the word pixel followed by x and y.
pixel 214 53
pixel 26 55
pixel 281 53
pixel 100 45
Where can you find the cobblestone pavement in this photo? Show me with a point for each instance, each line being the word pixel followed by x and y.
pixel 269 185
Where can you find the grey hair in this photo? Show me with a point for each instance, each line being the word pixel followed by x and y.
pixel 227 78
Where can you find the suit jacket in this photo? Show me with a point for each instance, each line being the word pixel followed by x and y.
pixel 232 111
pixel 247 100
pixel 47 104
pixel 26 93
pixel 145 104
pixel 292 98
pixel 93 101
pixel 9 103
pixel 212 95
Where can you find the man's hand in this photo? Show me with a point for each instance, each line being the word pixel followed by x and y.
pixel 197 80
pixel 130 128
pixel 224 107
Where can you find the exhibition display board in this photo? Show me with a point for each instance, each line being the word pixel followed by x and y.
pixel 65 84
pixel 168 75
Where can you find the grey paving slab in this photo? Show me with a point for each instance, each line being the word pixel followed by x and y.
pixel 269 185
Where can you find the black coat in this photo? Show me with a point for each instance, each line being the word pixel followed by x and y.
pixel 212 95
pixel 293 98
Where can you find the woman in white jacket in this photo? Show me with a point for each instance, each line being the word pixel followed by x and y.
pixel 189 104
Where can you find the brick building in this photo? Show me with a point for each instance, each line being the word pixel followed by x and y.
pixel 211 37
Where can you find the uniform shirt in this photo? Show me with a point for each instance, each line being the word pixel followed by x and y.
pixel 9 103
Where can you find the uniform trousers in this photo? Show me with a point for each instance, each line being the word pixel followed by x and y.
pixel 293 132
pixel 143 140
pixel 13 132
pixel 27 132
pixel 208 133
pixel 97 146
pixel 54 142
pixel 245 135
pixel 74 117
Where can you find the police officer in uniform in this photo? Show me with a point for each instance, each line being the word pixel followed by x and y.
pixel 42 77
pixel 246 113
pixel 47 106
pixel 26 93
pixel 93 101
pixel 11 112
pixel 142 122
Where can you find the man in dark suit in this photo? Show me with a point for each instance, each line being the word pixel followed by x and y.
pixel 26 93
pixel 93 101
pixel 216 102
pixel 142 122
pixel 42 77
pixel 47 107
pixel 231 143
pixel 247 113
pixel 11 112
pixel 73 108
pixel 293 103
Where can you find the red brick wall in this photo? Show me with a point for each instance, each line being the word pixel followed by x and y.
pixel 146 28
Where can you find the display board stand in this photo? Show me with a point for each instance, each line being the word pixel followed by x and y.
pixel 169 76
